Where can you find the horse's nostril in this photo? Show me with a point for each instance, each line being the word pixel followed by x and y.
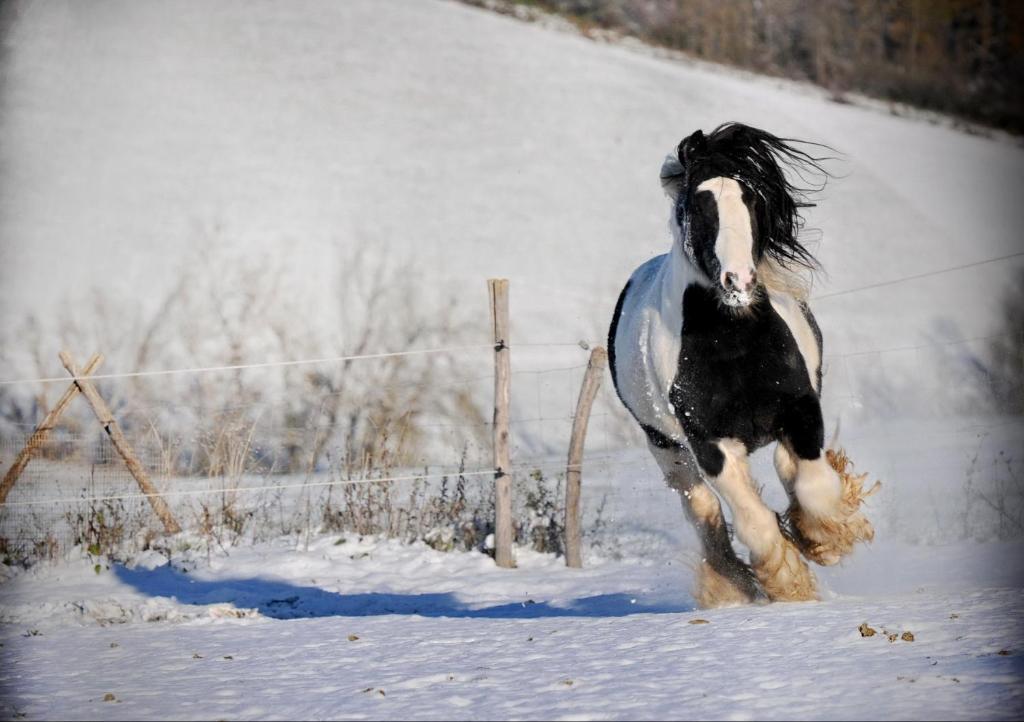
pixel 730 280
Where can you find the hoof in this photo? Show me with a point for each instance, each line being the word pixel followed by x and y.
pixel 825 540
pixel 784 574
pixel 719 590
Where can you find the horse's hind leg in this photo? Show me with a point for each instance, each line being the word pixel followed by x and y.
pixel 775 560
pixel 824 505
pixel 723 579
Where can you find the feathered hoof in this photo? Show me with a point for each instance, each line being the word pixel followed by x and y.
pixel 826 540
pixel 784 574
pixel 718 590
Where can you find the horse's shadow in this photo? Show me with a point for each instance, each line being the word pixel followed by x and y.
pixel 281 600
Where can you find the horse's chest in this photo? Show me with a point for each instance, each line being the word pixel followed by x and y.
pixel 735 375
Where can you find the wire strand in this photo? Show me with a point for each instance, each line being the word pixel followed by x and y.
pixel 915 277
pixel 238 367
pixel 299 362
pixel 310 484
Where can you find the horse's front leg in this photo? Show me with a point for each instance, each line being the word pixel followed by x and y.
pixel 723 579
pixel 824 505
pixel 775 560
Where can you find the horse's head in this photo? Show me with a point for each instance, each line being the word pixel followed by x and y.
pixel 734 209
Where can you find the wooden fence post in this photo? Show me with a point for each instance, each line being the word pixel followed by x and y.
pixel 591 383
pixel 109 424
pixel 498 289
pixel 42 431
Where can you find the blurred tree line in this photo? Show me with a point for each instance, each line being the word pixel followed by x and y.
pixel 956 56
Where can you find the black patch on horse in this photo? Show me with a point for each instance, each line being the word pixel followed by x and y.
pixel 741 377
pixel 611 335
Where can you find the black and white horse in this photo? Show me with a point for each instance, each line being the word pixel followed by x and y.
pixel 715 353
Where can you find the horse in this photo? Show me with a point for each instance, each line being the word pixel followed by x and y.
pixel 715 353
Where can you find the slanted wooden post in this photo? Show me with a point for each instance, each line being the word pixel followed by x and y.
pixel 106 419
pixel 42 431
pixel 498 288
pixel 591 383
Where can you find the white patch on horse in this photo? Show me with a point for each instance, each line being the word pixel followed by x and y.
pixel 756 524
pixel 817 487
pixel 734 245
pixel 785 466
pixel 647 342
pixel 793 316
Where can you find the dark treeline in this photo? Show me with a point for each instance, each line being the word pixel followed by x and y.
pixel 962 57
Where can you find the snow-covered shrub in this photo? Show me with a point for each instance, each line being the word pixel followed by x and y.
pixel 542 523
pixel 345 419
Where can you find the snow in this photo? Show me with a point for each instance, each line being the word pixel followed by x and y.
pixel 136 135
pixel 264 631
pixel 372 628
pixel 465 142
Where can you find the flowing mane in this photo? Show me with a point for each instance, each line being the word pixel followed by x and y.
pixel 759 160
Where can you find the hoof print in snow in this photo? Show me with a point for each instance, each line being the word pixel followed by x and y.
pixel 1003 653
pixel 698 621
pixel 196 655
pixel 228 656
pixel 352 637
pixel 866 631
pixel 907 636
pixel 109 697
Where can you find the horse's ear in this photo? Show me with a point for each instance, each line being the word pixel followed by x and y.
pixel 673 176
pixel 692 146
pixel 674 169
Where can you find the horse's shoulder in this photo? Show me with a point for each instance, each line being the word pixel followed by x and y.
pixel 797 316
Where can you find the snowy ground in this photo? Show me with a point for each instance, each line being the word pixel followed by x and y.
pixel 343 627
pixel 370 629
pixel 472 145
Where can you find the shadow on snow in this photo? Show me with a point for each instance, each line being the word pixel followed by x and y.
pixel 281 600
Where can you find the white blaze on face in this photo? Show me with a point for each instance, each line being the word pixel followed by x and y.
pixel 734 245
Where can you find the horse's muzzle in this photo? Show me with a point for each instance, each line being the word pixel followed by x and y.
pixel 736 291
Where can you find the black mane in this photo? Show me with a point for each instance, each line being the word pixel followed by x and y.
pixel 759 159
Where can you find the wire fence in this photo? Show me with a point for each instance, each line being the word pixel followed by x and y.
pixel 247 457
pixel 917 276
pixel 241 454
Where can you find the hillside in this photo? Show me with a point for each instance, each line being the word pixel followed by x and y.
pixel 145 143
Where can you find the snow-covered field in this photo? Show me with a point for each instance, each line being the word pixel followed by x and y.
pixel 135 135
pixel 370 629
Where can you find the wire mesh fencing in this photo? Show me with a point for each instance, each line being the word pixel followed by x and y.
pixel 244 454
pixel 401 446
